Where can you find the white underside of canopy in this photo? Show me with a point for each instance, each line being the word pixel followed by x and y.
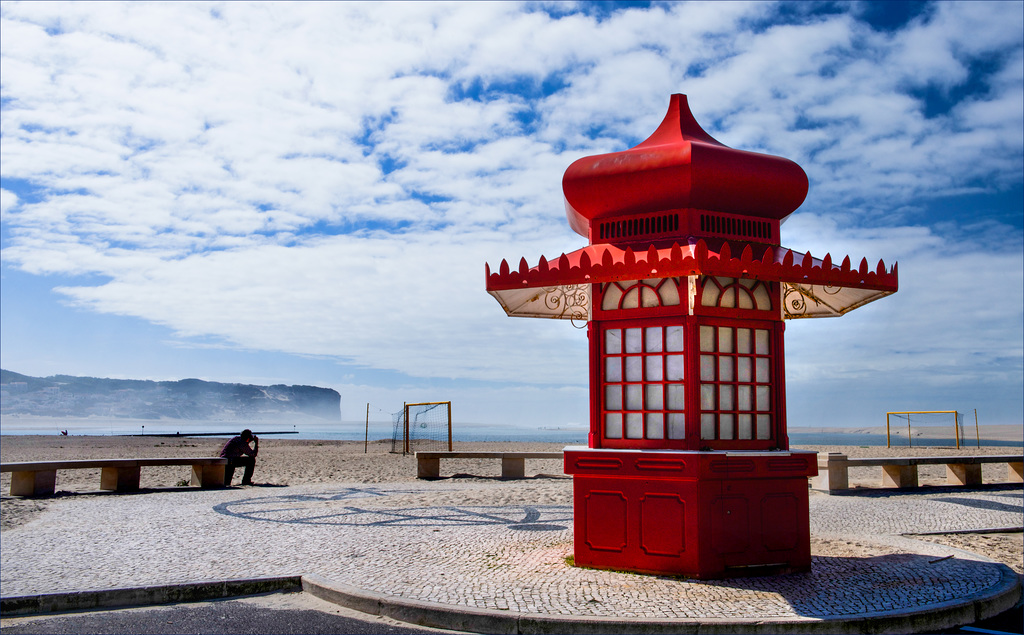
pixel 813 300
pixel 562 302
pixel 573 302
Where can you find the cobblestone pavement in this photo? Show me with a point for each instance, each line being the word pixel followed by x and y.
pixel 507 558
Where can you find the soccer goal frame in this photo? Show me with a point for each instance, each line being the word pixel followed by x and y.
pixel 957 425
pixel 405 422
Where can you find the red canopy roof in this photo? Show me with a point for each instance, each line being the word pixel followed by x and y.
pixel 812 288
pixel 605 262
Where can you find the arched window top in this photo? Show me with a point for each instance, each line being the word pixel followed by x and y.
pixel 735 293
pixel 640 294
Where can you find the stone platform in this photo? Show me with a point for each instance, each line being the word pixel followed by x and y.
pixel 503 568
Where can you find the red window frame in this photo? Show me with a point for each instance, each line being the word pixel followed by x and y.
pixel 642 381
pixel 635 380
pixel 738 381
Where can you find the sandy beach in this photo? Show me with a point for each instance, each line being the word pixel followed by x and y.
pixel 284 462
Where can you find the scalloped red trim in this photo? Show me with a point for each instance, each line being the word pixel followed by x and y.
pixel 605 263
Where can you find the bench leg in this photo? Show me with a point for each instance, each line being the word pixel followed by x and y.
pixel 899 476
pixel 513 468
pixel 1015 472
pixel 207 476
pixel 834 475
pixel 120 479
pixel 963 474
pixel 428 468
pixel 40 483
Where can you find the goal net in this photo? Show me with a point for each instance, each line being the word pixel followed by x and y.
pixel 927 427
pixel 422 427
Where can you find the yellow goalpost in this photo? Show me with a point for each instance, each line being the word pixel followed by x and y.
pixel 425 425
pixel 957 424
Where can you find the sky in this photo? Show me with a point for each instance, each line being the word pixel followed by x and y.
pixel 306 193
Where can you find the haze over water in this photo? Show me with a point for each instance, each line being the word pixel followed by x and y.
pixel 357 431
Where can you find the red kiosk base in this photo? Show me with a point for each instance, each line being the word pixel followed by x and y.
pixel 698 514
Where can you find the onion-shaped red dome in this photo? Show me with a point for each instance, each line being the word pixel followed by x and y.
pixel 681 167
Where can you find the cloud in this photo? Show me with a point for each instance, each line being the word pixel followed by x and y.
pixel 328 178
pixel 950 338
pixel 413 306
pixel 8 201
pixel 951 321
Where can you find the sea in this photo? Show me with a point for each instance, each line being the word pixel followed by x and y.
pixel 375 430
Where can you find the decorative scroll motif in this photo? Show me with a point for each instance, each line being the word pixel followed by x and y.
pixel 570 302
pixel 795 301
pixel 635 294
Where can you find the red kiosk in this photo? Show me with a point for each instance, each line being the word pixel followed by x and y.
pixel 685 288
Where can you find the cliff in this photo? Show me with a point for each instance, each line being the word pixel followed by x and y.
pixel 67 396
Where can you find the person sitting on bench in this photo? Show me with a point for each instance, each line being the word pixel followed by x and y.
pixel 238 453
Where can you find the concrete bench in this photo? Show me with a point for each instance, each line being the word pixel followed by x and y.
pixel 833 469
pixel 513 464
pixel 39 478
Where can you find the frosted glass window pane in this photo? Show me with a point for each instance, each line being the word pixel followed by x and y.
pixel 653 336
pixel 674 364
pixel 634 368
pixel 654 372
pixel 742 340
pixel 613 397
pixel 745 300
pixel 655 426
pixel 612 295
pixel 707 339
pixel 764 426
pixel 728 299
pixel 763 403
pixel 630 300
pixel 669 293
pixel 726 395
pixel 725 369
pixel 707 427
pixel 613 341
pixel 707 397
pixel 709 295
pixel 761 297
pixel 745 399
pixel 634 425
pixel 654 397
pixel 634 399
pixel 676 397
pixel 674 338
pixel 761 341
pixel 762 370
pixel 613 369
pixel 634 341
pixel 707 367
pixel 613 426
pixel 725 339
pixel 676 425
pixel 746 430
pixel 725 427
pixel 743 369
pixel 649 297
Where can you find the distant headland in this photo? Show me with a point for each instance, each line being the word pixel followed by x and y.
pixel 189 399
